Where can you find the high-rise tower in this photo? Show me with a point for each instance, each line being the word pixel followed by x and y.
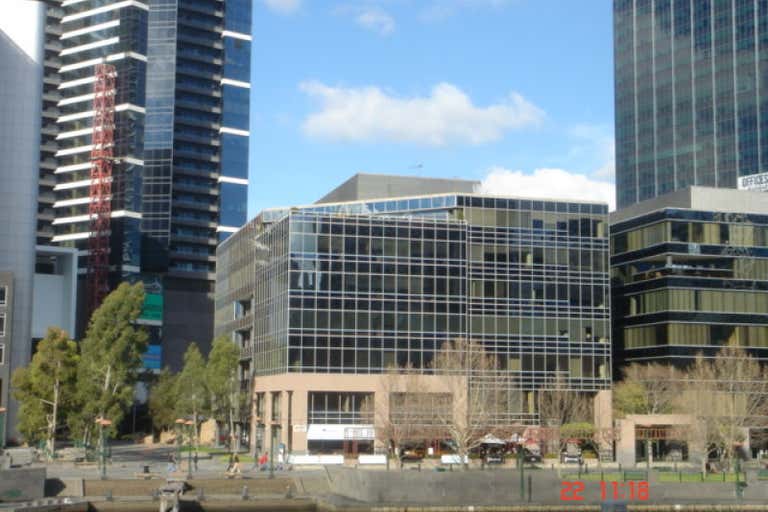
pixel 691 79
pixel 180 167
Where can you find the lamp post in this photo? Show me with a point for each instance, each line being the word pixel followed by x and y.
pixel 272 454
pixel 2 429
pixel 190 431
pixel 103 422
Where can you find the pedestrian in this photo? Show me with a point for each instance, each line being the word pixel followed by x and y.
pixel 263 461
pixel 231 463
pixel 171 463
pixel 236 464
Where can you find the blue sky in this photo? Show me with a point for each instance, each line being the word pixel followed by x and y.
pixel 517 93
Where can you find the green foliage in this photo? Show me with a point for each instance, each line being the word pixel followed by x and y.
pixel 163 397
pixel 629 397
pixel 110 359
pixel 221 378
pixel 55 362
pixel 192 388
pixel 580 430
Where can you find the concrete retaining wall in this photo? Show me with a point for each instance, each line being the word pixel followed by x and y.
pixel 22 484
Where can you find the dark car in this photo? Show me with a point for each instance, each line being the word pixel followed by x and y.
pixel 529 456
pixel 494 457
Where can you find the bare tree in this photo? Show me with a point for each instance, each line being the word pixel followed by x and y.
pixel 565 414
pixel 408 411
pixel 469 375
pixel 647 389
pixel 726 396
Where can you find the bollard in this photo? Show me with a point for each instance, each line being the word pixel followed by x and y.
pixel 680 476
pixel 201 495
pixel 244 495
pixel 109 495
pixel 155 494
pixel 530 488
pixel 602 477
pixel 723 475
pixel 288 492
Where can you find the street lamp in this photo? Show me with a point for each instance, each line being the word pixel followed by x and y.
pixel 103 422
pixel 190 431
pixel 2 429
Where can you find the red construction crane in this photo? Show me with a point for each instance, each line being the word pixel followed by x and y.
pixel 100 206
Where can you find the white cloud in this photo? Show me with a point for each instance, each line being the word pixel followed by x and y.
pixel 446 116
pixel 376 20
pixel 548 184
pixel 283 6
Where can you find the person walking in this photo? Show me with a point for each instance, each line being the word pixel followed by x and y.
pixel 231 463
pixel 171 463
pixel 236 464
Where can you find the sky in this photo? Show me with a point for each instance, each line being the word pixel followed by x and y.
pixel 517 94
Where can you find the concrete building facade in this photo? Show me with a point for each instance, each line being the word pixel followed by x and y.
pixel 21 75
pixel 331 303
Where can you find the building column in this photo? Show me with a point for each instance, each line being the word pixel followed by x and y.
pixel 603 417
pixel 300 422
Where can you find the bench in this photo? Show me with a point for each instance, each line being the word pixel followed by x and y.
pixel 365 460
pixel 635 475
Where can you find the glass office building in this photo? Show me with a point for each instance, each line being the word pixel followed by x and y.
pixel 181 145
pixel 328 297
pixel 689 275
pixel 691 94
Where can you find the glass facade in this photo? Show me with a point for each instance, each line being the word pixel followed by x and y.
pixel 180 180
pixel 361 287
pixel 691 104
pixel 687 281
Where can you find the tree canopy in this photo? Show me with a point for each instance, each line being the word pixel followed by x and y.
pixel 110 359
pixel 46 388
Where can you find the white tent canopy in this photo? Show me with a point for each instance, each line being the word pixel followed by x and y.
pixel 491 439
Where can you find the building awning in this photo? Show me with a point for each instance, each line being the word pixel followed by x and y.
pixel 329 432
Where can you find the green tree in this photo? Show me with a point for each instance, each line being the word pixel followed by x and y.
pixel 226 400
pixel 629 397
pixel 46 388
pixel 192 387
pixel 163 397
pixel 110 360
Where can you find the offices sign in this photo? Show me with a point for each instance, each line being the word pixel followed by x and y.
pixel 754 182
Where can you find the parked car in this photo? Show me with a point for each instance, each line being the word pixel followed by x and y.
pixel 494 457
pixel 529 456
pixel 571 454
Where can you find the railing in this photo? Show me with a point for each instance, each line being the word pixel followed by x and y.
pixel 340 417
